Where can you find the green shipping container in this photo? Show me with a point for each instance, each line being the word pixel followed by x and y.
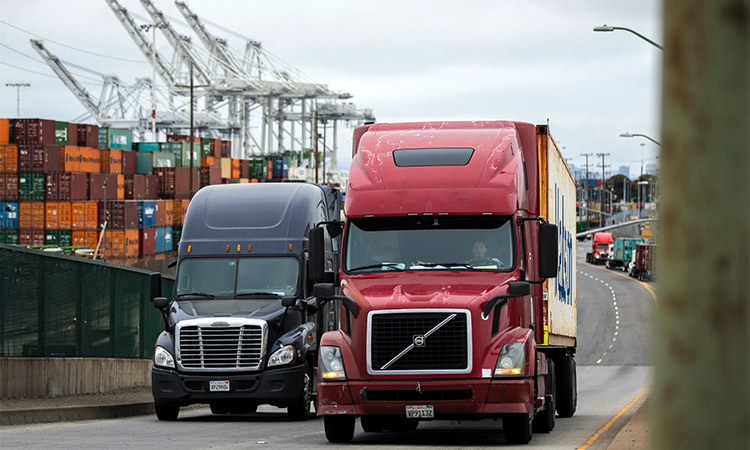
pixel 144 163
pixel 31 186
pixel 103 138
pixel 171 147
pixel 119 139
pixel 183 159
pixel 58 237
pixel 9 236
pixel 61 133
pixel 148 147
pixel 163 159
pixel 12 131
pixel 206 147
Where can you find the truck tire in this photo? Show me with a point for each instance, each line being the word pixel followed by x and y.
pixel 517 428
pixel 339 429
pixel 166 412
pixel 544 422
pixel 567 390
pixel 301 409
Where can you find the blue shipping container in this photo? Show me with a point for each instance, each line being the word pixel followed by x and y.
pixel 148 147
pixel 8 214
pixel 160 240
pixel 146 214
pixel 168 239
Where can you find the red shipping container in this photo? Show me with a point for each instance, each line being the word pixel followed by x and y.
pixel 79 187
pixel 122 214
pixel 147 241
pixel 88 136
pixel 129 162
pixel 135 187
pixel 210 175
pixel 226 150
pixel 30 237
pixel 8 186
pixel 244 168
pixel 182 182
pixel 34 131
pixel 39 158
pixel 97 189
pixel 166 181
pixel 152 186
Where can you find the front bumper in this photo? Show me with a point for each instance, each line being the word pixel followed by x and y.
pixel 280 387
pixel 454 398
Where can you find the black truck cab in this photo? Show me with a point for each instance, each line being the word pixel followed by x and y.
pixel 241 328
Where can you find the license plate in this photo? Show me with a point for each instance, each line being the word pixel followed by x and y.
pixel 218 386
pixel 420 412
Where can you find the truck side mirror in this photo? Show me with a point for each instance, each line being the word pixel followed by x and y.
pixel 316 259
pixel 519 289
pixel 288 301
pixel 160 302
pixel 547 250
pixel 154 285
pixel 324 291
pixel 335 229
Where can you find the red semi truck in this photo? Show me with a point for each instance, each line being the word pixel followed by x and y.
pixel 457 281
pixel 600 248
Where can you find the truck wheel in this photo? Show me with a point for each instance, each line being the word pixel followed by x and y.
pixel 301 409
pixel 339 429
pixel 166 412
pixel 517 428
pixel 544 422
pixel 567 390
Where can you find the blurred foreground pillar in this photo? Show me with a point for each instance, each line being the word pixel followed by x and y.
pixel 701 337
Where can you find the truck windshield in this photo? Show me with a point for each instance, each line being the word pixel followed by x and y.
pixel 429 243
pixel 237 277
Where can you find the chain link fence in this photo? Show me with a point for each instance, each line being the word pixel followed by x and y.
pixel 55 305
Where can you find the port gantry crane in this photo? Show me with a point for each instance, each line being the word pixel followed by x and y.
pixel 242 86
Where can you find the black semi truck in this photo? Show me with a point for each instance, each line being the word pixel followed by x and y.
pixel 241 328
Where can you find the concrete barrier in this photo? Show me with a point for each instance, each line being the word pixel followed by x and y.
pixel 52 377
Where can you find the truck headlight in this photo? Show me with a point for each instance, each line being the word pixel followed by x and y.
pixel 511 361
pixel 163 358
pixel 284 355
pixel 331 363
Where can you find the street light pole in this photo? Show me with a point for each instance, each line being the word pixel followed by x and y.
pixel 607 28
pixel 153 27
pixel 630 135
pixel 18 87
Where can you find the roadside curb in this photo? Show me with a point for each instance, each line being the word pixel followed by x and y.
pixel 65 414
pixel 635 434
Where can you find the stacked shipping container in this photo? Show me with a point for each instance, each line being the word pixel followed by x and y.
pixel 60 183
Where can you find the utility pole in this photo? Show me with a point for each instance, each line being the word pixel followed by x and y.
pixel 192 130
pixel 586 187
pixel 18 87
pixel 601 200
pixel 317 138
pixel 153 27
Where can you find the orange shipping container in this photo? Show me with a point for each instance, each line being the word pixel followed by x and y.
pixel 235 168
pixel 91 215
pixel 70 158
pixel 183 209
pixel 131 243
pixel 4 131
pixel 121 187
pixel 114 244
pixel 31 215
pixel 84 238
pixel 177 212
pixel 77 215
pixel 91 159
pixel 170 212
pixel 111 161
pixel 8 158
pixel 208 161
pixel 57 216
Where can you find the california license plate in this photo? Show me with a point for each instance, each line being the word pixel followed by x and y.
pixel 420 412
pixel 218 386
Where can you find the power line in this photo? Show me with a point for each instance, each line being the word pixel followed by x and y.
pixel 22 53
pixel 27 70
pixel 73 48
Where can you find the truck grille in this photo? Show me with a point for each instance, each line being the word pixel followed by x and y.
pixel 419 341
pixel 224 347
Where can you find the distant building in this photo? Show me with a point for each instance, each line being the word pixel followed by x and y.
pixel 652 169
pixel 624 170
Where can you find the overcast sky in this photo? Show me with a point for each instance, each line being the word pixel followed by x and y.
pixel 406 60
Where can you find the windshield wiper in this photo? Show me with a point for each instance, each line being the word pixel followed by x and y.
pixel 258 294
pixel 394 266
pixel 197 294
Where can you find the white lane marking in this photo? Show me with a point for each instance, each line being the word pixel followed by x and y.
pixel 599 361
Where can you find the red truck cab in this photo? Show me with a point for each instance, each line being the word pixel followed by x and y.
pixel 600 248
pixel 441 284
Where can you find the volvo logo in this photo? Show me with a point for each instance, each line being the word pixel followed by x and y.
pixel 419 340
